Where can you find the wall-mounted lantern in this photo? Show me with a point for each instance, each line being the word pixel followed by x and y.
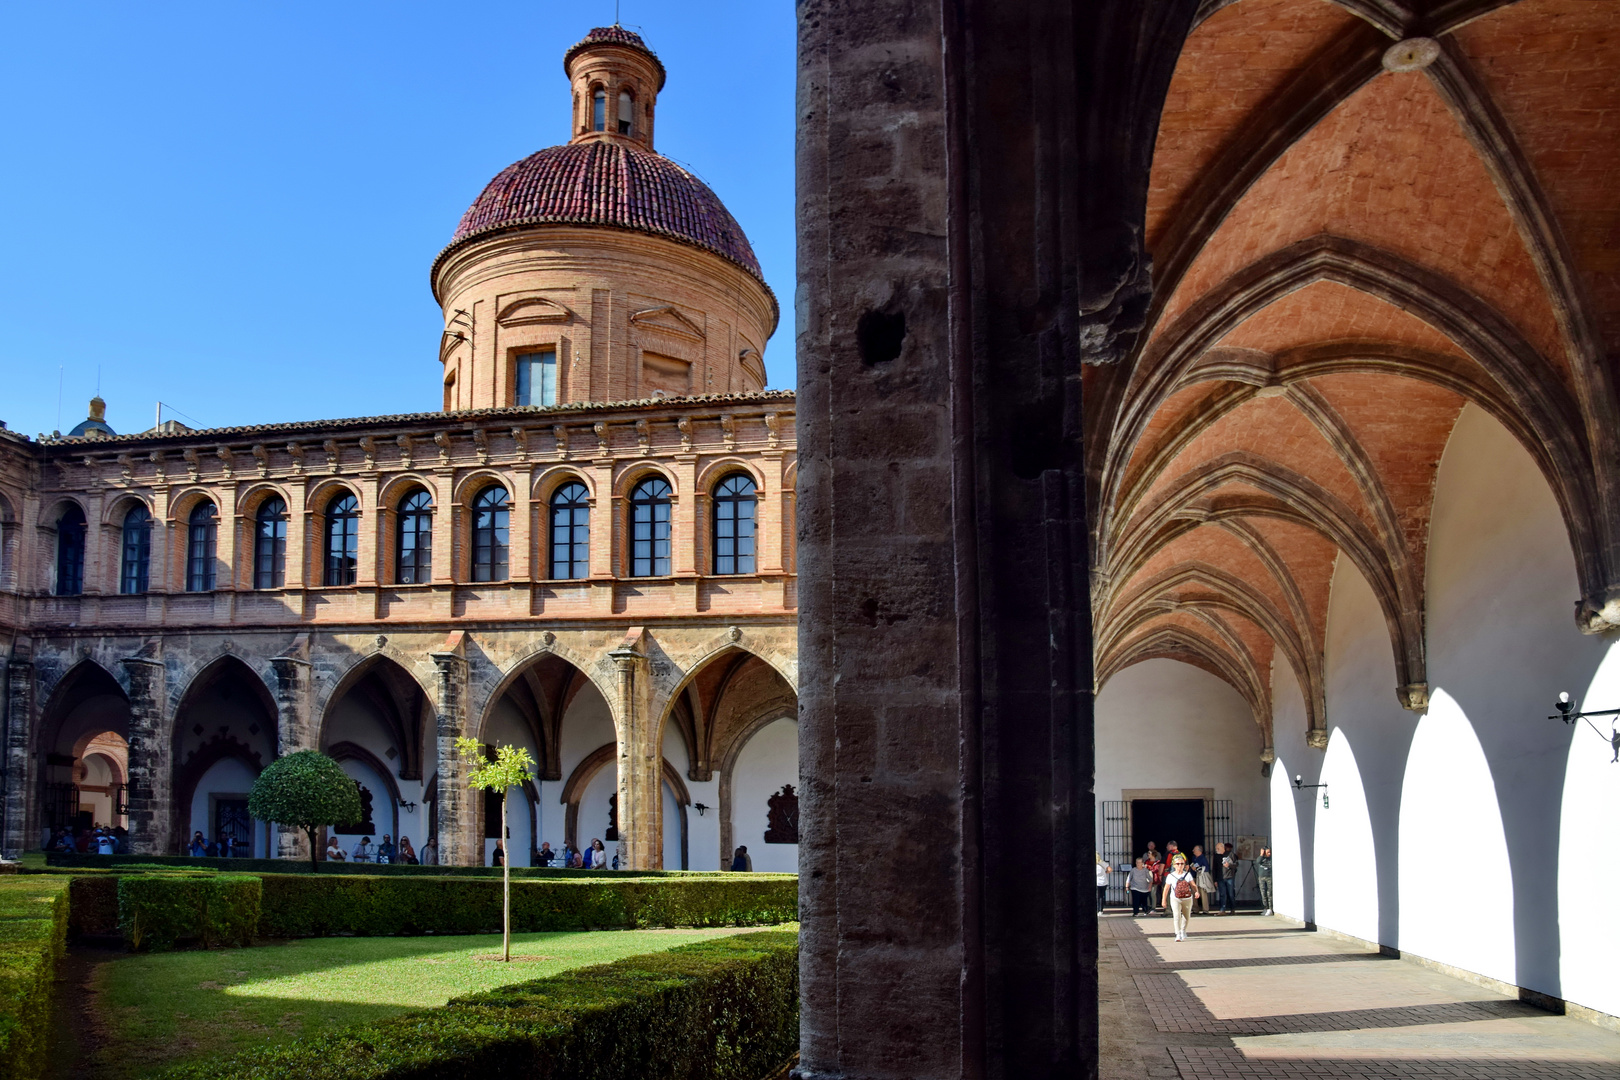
pixel 1301 785
pixel 407 806
pixel 1568 713
pixel 701 808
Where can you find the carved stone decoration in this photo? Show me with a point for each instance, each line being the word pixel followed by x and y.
pixel 406 451
pixel 441 439
pixel 262 457
pixel 684 426
pixel 734 633
pixel 160 473
pixel 126 467
pixel 333 463
pixel 548 638
pixel 773 431
pixel 193 463
pixel 601 430
pixel 228 461
pixel 365 826
pixel 782 819
pixel 560 434
pixel 728 431
pixel 368 446
pixel 1414 697
pixel 520 441
pixel 1268 755
pixel 644 436
pixel 1316 738
pixel 296 452
pixel 481 446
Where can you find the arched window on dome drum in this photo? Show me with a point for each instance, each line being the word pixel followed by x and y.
pixel 202 540
pixel 70 532
pixel 413 564
pixel 649 528
pixel 571 532
pixel 490 534
pixel 342 540
pixel 734 503
pixel 537 378
pixel 627 112
pixel 270 544
pixel 599 109
pixel 135 565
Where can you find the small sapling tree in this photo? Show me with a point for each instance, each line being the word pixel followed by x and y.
pixel 510 769
pixel 306 790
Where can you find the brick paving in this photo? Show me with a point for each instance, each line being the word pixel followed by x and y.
pixel 1255 997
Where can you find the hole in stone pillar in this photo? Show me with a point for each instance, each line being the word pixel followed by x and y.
pixel 879 336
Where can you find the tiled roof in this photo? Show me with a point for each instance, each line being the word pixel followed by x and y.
pixel 355 424
pixel 607 183
pixel 614 35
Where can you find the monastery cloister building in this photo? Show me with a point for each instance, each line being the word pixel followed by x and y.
pixel 589 553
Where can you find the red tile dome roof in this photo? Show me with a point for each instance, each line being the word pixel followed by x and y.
pixel 609 183
pixel 614 35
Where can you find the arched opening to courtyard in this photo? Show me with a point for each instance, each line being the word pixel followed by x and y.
pixel 83 756
pixel 224 736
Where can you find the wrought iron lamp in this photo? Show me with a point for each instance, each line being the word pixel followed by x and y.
pixel 1301 785
pixel 1569 713
pixel 701 808
pixel 407 806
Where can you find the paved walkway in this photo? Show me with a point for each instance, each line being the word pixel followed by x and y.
pixel 1249 996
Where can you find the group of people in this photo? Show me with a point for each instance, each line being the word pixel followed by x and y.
pixel 384 853
pixel 1176 882
pixel 100 840
pixel 593 857
pixel 223 847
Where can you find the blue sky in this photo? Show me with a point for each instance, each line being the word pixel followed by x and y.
pixel 232 207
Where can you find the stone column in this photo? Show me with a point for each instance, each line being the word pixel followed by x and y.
pixel 458 846
pixel 295 728
pixel 149 793
pixel 641 802
pixel 971 185
pixel 18 728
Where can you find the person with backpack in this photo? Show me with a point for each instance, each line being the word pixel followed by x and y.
pixel 1180 887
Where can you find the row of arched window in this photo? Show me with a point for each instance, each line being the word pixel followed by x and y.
pixel 734 504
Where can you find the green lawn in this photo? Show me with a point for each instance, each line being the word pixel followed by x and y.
pixel 161 1009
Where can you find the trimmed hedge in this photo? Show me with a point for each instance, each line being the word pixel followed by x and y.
pixel 296 866
pixel 160 911
pixel 727 1009
pixel 33 929
pixel 316 905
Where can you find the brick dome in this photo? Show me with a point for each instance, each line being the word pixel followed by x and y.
pixel 610 183
pixel 614 35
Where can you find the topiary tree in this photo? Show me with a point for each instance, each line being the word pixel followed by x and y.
pixel 306 790
pixel 510 769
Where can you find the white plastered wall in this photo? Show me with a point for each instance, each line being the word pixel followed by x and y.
pixel 768 761
pixel 586 726
pixel 702 830
pixel 506 727
pixel 227 778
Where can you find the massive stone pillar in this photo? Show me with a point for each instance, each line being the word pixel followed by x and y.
pixel 972 176
pixel 641 802
pixel 295 728
pixel 18 743
pixel 150 792
pixel 458 821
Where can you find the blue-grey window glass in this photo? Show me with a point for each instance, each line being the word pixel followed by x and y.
pixel 135 565
pixel 599 111
pixel 414 564
pixel 490 529
pixel 342 540
pixel 537 378
pixel 70 530
pixel 270 544
pixel 202 539
pixel 734 503
pixel 571 531
pixel 627 112
pixel 649 528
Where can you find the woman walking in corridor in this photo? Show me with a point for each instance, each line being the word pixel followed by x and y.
pixel 1180 887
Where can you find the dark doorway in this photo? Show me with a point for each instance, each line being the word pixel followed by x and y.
pixel 1164 820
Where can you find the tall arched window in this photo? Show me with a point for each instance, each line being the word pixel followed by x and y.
pixel 571 531
pixel 70 530
pixel 627 112
pixel 413 564
pixel 734 502
pixel 490 551
pixel 649 528
pixel 270 544
pixel 599 109
pixel 202 541
pixel 135 567
pixel 342 539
